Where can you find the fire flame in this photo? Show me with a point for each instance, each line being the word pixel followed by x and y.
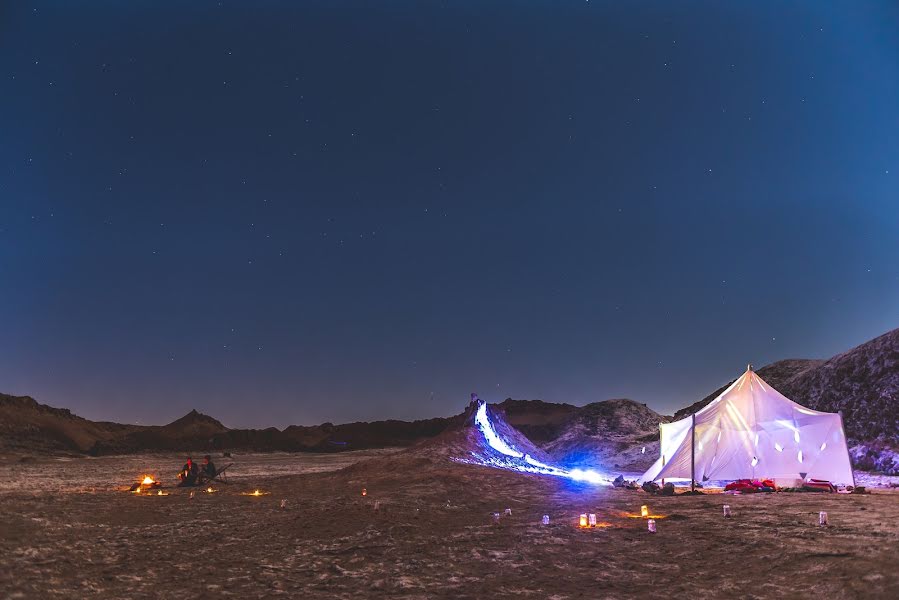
pixel 161 493
pixel 583 521
pixel 256 492
pixel 147 480
pixel 209 490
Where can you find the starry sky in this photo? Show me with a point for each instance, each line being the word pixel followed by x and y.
pixel 296 212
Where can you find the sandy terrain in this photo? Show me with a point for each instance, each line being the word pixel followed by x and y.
pixel 66 531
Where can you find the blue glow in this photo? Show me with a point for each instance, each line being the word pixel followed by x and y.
pixel 513 460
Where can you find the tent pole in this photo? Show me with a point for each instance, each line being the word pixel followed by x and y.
pixel 693 455
pixel 846 443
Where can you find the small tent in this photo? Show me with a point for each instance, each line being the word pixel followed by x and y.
pixel 753 431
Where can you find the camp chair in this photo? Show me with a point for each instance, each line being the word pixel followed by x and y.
pixel 220 476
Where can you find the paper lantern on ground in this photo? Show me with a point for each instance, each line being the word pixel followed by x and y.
pixel 644 511
pixel 822 518
pixel 592 520
pixel 582 522
pixel 726 511
pixel 546 519
pixel 651 525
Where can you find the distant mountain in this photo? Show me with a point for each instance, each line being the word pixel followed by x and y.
pixel 621 434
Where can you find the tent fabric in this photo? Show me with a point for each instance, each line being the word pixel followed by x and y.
pixel 752 431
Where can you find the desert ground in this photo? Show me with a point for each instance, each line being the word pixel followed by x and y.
pixel 69 530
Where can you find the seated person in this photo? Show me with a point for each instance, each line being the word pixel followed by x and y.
pixel 207 470
pixel 188 474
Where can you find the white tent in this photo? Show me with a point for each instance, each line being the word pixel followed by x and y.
pixel 753 431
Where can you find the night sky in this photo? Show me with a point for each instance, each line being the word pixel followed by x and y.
pixel 296 212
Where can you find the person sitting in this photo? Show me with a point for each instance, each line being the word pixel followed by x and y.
pixel 207 470
pixel 188 474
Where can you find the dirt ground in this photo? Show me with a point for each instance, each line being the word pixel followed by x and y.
pixel 68 531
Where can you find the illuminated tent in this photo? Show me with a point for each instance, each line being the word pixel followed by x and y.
pixel 753 431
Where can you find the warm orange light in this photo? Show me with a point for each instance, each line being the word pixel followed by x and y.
pixel 161 493
pixel 644 511
pixel 255 493
pixel 583 521
pixel 209 490
pixel 364 492
pixel 147 480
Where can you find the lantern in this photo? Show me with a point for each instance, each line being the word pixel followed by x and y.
pixel 651 525
pixel 509 512
pixel 726 511
pixel 283 503
pixel 546 519
pixel 644 511
pixel 496 517
pixel 582 522
pixel 822 518
pixel 592 520
pixel 364 492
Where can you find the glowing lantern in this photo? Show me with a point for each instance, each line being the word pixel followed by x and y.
pixel 191 497
pixel 726 511
pixel 546 519
pixel 496 517
pixel 592 520
pixel 509 512
pixel 644 511
pixel 822 518
pixel 582 522
pixel 147 480
pixel 651 525
pixel 364 492
pixel 161 493
pixel 209 490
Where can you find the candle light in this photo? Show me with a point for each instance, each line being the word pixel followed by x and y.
pixel 651 525
pixel 726 511
pixel 822 518
pixel 592 520
pixel 364 492
pixel 583 520
pixel 644 511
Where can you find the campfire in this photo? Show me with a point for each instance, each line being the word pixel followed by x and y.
pixel 145 485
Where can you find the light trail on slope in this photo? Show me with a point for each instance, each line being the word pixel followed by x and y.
pixel 513 460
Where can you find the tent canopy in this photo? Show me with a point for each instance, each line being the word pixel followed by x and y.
pixel 753 431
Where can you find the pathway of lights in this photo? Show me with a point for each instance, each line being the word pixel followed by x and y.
pixel 518 461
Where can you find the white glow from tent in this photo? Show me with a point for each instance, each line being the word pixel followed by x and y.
pixel 787 424
pixel 823 446
pixel 495 442
pixel 778 447
pixel 755 461
pixel 799 456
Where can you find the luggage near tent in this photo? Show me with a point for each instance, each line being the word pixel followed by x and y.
pixel 751 431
